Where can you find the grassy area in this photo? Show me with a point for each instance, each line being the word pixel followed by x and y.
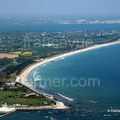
pixel 25 53
pixel 6 94
pixel 17 52
pixel 28 101
pixel 11 98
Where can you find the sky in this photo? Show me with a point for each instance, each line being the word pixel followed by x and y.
pixel 86 8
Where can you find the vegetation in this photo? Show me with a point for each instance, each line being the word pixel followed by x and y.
pixel 12 98
pixel 31 46
pixel 17 96
pixel 24 53
pixel 5 61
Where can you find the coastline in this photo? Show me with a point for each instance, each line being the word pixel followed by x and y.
pixel 21 78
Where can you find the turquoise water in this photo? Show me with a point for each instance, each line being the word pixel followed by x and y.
pixel 92 102
pixel 61 27
pixel 102 63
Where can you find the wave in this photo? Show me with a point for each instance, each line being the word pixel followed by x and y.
pixel 58 59
pixel 43 65
pixel 36 77
pixel 67 98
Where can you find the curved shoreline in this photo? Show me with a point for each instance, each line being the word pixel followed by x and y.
pixel 22 78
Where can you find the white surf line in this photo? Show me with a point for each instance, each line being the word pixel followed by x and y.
pixel 26 72
pixel 67 98
pixel 29 69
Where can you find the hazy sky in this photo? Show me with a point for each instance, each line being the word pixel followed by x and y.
pixel 60 7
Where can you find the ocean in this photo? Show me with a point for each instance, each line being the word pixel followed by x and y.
pixel 94 100
pixel 60 27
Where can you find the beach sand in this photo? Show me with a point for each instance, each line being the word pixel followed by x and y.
pixel 22 77
pixel 25 73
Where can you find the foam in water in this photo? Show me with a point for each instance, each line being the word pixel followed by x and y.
pixel 67 98
pixel 37 78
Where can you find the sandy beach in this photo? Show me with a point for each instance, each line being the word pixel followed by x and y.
pixel 25 73
pixel 22 78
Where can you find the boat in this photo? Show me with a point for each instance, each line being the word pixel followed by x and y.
pixel 6 109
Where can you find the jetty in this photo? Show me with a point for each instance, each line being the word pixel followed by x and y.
pixel 6 110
